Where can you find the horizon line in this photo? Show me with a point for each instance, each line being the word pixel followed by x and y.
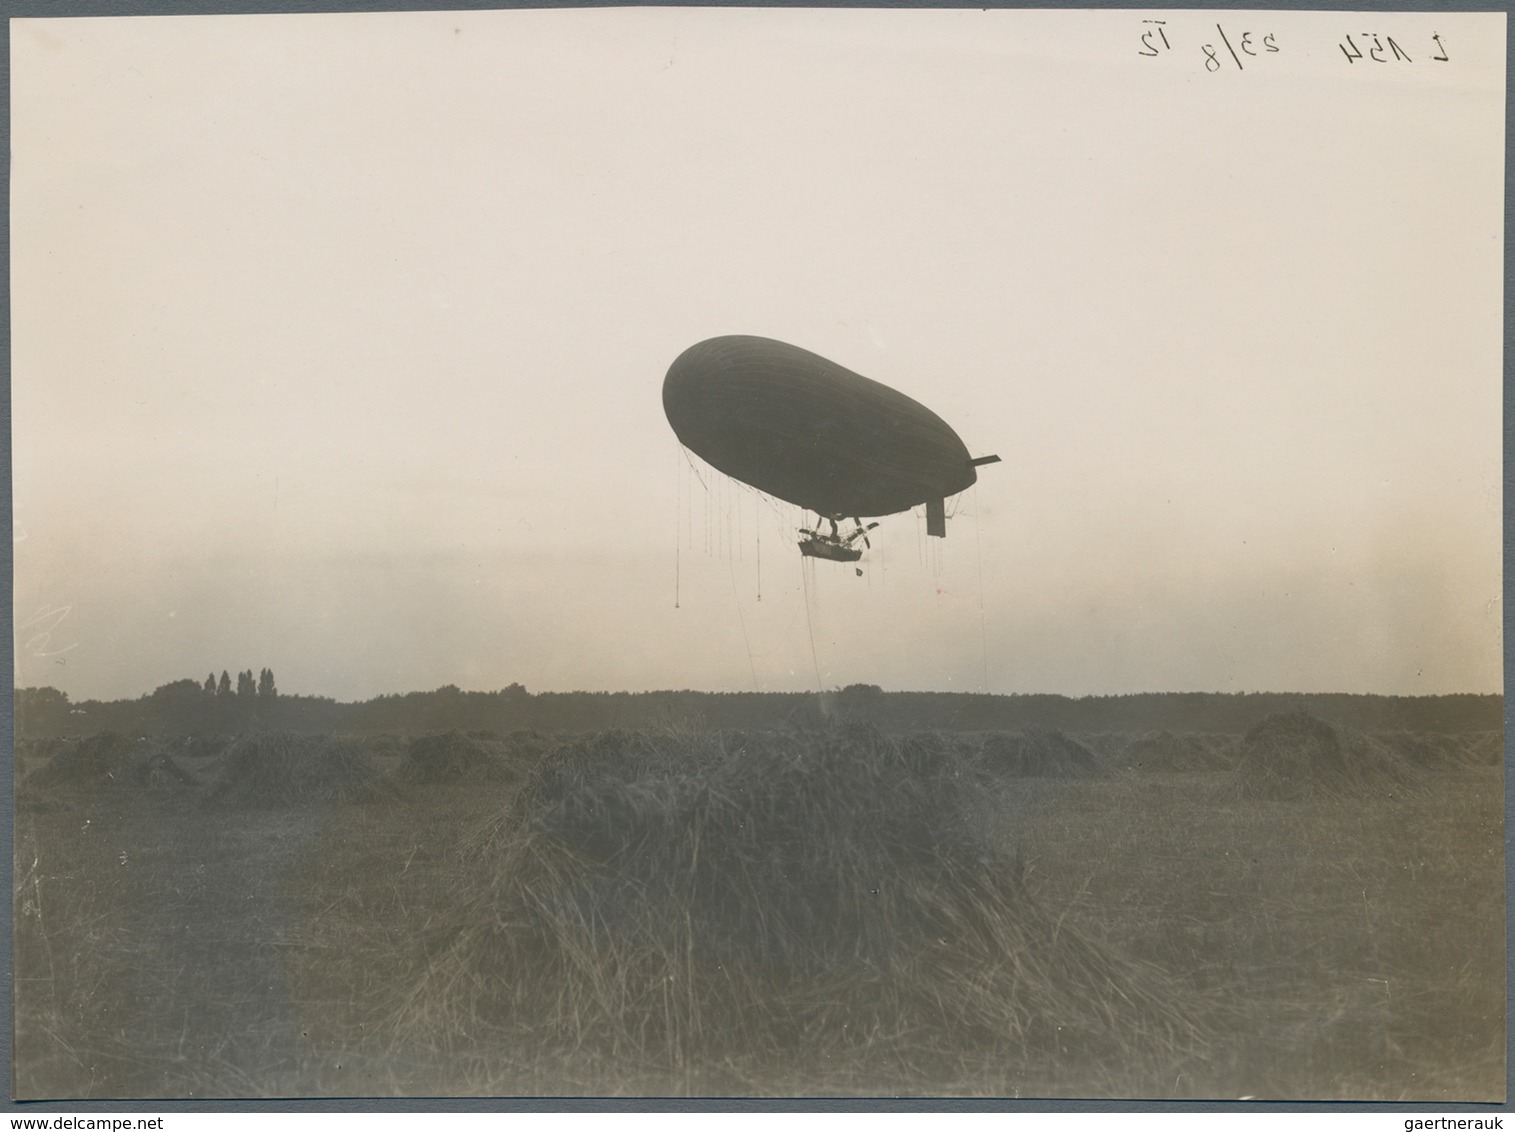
pixel 778 692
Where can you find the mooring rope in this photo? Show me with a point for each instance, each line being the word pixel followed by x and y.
pixel 809 625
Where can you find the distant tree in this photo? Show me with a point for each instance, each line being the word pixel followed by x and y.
pixel 179 706
pixel 224 687
pixel 179 692
pixel 210 684
pixel 861 700
pixel 41 699
pixel 40 710
pixel 863 692
pixel 246 686
pixel 266 689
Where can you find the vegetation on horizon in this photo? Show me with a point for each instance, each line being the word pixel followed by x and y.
pixel 185 707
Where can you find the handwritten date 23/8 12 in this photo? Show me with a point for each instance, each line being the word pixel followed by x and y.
pixel 1240 46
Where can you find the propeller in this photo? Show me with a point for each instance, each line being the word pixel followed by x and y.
pixel 863 531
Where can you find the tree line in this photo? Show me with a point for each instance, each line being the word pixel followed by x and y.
pixel 186 707
pixel 247 688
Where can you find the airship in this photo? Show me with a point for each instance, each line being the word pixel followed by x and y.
pixel 808 431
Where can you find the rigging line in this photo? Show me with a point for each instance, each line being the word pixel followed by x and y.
pixel 693 468
pixel 742 620
pixel 809 625
pixel 678 523
pixel 689 513
pixel 983 629
pixel 759 521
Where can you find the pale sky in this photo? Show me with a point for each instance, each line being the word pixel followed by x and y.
pixel 338 345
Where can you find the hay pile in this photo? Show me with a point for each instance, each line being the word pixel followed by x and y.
pixel 1166 752
pixel 1483 748
pixel 938 752
pixel 1106 745
pixel 267 770
pixel 1427 749
pixel 1295 755
pixel 31 755
pixel 451 756
pixel 526 748
pixel 382 746
pixel 201 746
pixel 92 762
pixel 159 774
pixel 108 764
pixel 1435 750
pixel 770 913
pixel 1038 753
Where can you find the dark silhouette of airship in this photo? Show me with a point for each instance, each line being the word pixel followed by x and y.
pixel 810 432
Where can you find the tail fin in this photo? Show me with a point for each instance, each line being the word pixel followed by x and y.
pixel 936 518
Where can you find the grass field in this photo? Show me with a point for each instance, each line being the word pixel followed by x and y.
pixel 826 913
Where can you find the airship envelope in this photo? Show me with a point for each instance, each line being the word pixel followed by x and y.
pixel 810 432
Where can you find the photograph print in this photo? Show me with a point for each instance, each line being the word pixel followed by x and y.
pixel 759 552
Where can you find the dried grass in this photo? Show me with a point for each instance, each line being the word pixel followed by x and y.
pixel 1483 748
pixel 753 911
pixel 1167 752
pixel 450 757
pixel 1038 753
pixel 1295 755
pixel 96 760
pixel 1432 750
pixel 269 770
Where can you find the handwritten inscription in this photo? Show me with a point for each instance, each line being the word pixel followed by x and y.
pixel 1383 49
pixel 1212 60
pixel 41 628
pixel 1240 46
pixel 1244 47
pixel 1150 48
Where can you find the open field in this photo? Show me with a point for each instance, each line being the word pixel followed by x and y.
pixel 828 912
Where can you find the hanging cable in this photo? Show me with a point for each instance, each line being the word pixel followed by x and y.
pixel 746 642
pixel 759 523
pixel 678 528
pixel 809 625
pixel 983 630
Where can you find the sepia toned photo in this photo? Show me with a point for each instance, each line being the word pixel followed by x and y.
pixel 757 552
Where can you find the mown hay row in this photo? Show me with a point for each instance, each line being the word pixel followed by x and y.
pixel 452 756
pixel 764 909
pixel 105 765
pixel 1038 753
pixel 1294 755
pixel 274 769
pixel 1483 748
pixel 198 746
pixel 97 759
pixel 1439 750
pixel 1106 745
pixel 1164 751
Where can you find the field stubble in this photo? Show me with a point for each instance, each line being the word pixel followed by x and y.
pixel 1356 946
pixel 1323 948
